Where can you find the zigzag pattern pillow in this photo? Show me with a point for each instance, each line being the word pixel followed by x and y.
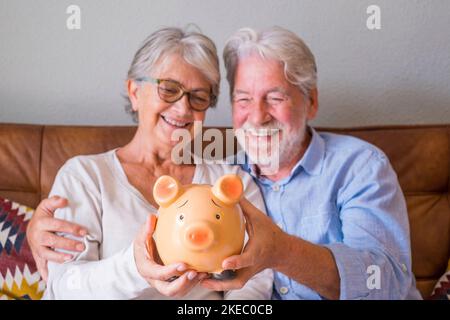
pixel 19 278
pixel 442 289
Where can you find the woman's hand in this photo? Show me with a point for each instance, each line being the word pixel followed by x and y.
pixel 42 238
pixel 158 275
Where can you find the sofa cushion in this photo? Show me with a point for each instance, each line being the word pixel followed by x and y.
pixel 62 143
pixel 20 157
pixel 19 278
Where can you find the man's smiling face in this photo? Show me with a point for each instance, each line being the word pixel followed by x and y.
pixel 264 101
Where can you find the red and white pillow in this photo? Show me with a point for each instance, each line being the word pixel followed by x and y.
pixel 19 278
pixel 442 289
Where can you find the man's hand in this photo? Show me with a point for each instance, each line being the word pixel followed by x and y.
pixel 263 250
pixel 269 247
pixel 42 238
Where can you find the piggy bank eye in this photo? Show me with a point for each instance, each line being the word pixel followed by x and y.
pixel 218 216
pixel 180 217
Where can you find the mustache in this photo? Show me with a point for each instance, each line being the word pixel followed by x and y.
pixel 275 125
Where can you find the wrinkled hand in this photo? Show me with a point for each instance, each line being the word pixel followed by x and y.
pixel 261 251
pixel 42 238
pixel 155 273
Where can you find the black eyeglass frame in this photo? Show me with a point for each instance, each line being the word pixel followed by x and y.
pixel 212 97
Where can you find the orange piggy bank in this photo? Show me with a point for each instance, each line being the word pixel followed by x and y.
pixel 199 224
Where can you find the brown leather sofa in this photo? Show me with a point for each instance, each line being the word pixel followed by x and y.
pixel 30 156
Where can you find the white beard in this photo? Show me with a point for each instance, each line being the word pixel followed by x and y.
pixel 267 149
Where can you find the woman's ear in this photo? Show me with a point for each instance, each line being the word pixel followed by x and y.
pixel 132 89
pixel 166 190
pixel 228 189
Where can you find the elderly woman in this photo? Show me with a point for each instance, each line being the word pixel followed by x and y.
pixel 172 81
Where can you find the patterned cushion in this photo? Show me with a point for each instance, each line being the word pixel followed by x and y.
pixel 19 278
pixel 442 289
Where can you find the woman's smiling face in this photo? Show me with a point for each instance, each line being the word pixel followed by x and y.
pixel 159 119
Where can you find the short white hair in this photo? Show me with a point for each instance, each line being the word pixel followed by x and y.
pixel 274 43
pixel 194 47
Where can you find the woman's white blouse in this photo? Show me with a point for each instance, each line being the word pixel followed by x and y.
pixel 101 199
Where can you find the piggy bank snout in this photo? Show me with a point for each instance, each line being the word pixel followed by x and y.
pixel 198 236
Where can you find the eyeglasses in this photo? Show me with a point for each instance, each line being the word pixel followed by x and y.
pixel 171 91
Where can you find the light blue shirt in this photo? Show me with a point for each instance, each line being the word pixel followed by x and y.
pixel 343 194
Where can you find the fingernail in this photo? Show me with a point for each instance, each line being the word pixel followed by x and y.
pixel 192 275
pixel 80 247
pixel 228 265
pixel 181 267
pixel 83 232
pixel 67 258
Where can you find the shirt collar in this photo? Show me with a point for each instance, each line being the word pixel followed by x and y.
pixel 312 160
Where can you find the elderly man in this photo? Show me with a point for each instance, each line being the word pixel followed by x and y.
pixel 337 225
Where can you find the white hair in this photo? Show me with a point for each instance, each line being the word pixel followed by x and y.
pixel 195 48
pixel 274 43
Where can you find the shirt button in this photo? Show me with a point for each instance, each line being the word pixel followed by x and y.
pixel 284 290
pixel 404 268
pixel 275 187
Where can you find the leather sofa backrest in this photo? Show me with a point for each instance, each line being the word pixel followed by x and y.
pixel 30 156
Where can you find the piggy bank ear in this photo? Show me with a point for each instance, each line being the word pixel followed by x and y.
pixel 166 190
pixel 228 189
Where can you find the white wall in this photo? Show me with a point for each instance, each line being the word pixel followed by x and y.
pixel 397 75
